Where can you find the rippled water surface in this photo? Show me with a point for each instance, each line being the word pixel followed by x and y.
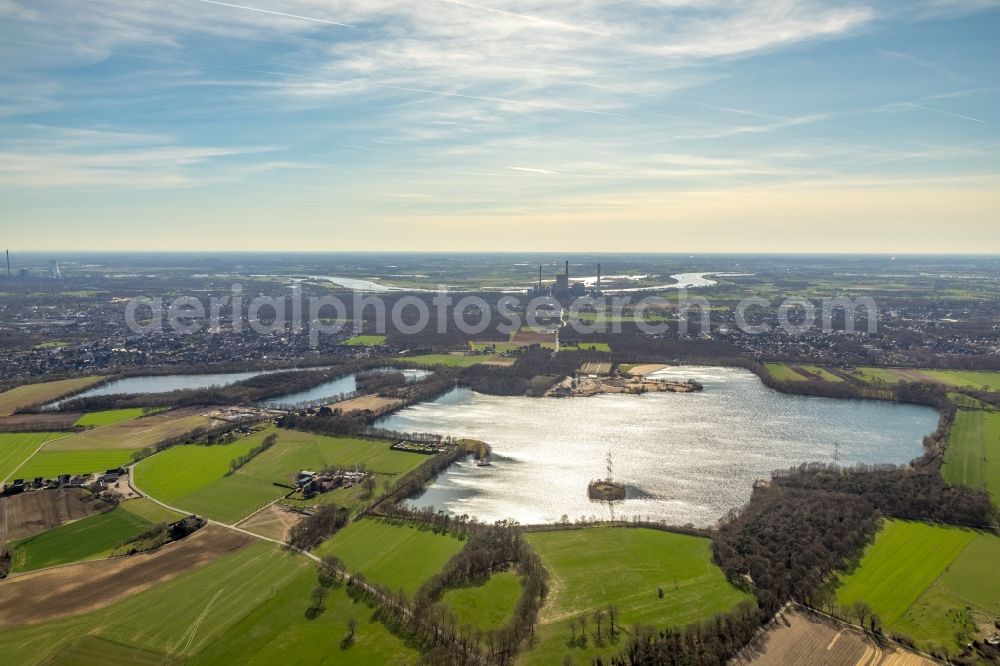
pixel 687 458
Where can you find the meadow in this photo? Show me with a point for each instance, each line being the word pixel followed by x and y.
pixel 109 417
pixel 486 606
pixel 364 341
pixel 399 557
pixel 37 394
pixel 17 447
pixel 929 582
pixel 450 360
pixel 84 539
pixel 973 454
pixel 643 561
pixel 196 477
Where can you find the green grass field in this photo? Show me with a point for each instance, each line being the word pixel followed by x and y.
pixel 928 582
pixel 84 539
pixel 277 632
pixel 149 510
pixel 194 477
pixel 35 394
pixel 593 568
pixel 109 417
pixel 50 464
pixel 587 346
pixel 365 341
pixel 179 618
pixel 450 360
pixel 487 606
pixel 16 447
pixel 973 454
pixel 399 557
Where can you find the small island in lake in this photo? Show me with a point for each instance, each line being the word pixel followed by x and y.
pixel 585 386
pixel 606 490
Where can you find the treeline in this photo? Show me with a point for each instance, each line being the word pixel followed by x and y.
pixel 490 549
pixel 433 627
pixel 900 492
pixel 314 529
pixel 240 461
pixel 710 643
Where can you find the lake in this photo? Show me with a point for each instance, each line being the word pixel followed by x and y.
pixel 165 383
pixel 339 386
pixel 685 457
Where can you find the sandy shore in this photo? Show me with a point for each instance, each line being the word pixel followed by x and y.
pixel 648 368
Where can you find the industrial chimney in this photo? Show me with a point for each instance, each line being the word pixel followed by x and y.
pixel 598 277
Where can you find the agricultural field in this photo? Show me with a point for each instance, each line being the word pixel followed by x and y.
pixel 34 512
pixel 955 378
pixel 17 447
pixel 486 606
pixel 935 584
pixel 800 372
pixel 643 562
pixel 195 477
pixel 63 592
pixel 84 539
pixel 802 638
pixel 50 464
pixel 278 629
pixel 529 336
pixel 450 360
pixel 399 557
pixel 109 417
pixel 149 510
pixel 365 341
pixel 136 433
pixel 37 394
pixel 179 617
pixel 972 457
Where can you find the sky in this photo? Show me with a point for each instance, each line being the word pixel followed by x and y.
pixel 508 125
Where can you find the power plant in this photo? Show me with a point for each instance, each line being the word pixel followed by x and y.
pixel 563 287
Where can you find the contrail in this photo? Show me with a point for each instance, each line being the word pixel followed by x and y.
pixel 268 11
pixel 946 113
pixel 527 17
